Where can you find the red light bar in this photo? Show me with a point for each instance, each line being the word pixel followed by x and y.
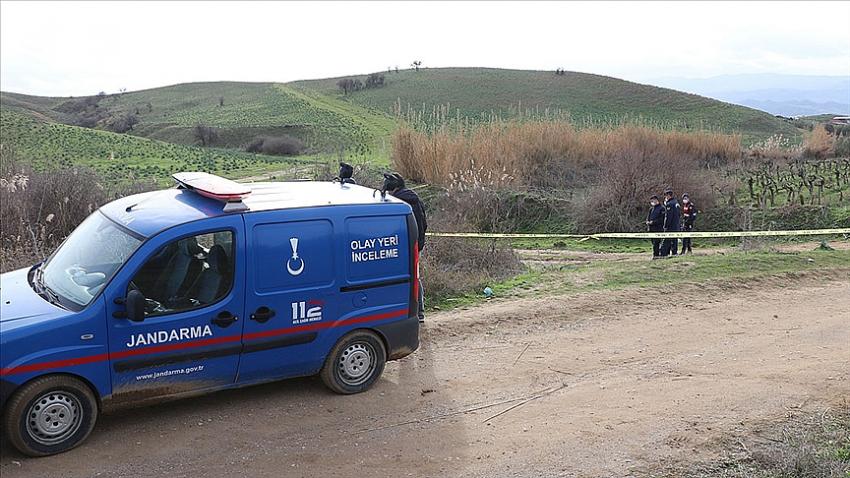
pixel 212 186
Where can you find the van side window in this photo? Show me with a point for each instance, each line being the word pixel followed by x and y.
pixel 186 274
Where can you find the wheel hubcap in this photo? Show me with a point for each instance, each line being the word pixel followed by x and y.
pixel 356 363
pixel 53 418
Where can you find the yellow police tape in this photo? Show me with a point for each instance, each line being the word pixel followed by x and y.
pixel 645 235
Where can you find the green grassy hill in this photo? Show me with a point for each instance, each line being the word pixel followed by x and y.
pixel 477 92
pixel 359 123
pixel 121 156
pixel 249 110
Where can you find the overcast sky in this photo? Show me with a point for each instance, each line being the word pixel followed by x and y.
pixel 72 48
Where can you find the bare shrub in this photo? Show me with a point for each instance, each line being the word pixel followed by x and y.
pixel 205 135
pixel 805 446
pixel 275 145
pixel 452 267
pixel 347 85
pixel 639 163
pixel 122 123
pixel 374 80
pixel 40 208
pixel 842 147
pixel 502 210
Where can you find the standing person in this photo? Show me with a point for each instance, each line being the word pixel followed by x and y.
pixel 655 223
pixel 672 223
pixel 394 184
pixel 689 215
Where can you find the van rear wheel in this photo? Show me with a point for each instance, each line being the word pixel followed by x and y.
pixel 355 363
pixel 50 415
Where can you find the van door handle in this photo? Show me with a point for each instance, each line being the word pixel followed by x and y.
pixel 224 319
pixel 262 314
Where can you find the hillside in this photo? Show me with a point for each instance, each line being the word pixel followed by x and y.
pixel 477 92
pixel 319 114
pixel 121 156
pixel 249 110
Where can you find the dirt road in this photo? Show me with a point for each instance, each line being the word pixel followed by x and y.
pixel 601 384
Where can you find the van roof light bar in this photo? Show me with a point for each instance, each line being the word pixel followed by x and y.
pixel 215 187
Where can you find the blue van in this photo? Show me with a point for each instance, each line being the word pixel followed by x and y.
pixel 204 287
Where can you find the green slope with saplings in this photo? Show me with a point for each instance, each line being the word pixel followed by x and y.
pixel 122 157
pixel 323 119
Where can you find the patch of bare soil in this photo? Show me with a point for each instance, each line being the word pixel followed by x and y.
pixel 595 384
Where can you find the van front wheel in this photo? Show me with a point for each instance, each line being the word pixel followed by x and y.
pixel 355 363
pixel 50 415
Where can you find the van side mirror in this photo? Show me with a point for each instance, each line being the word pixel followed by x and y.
pixel 135 305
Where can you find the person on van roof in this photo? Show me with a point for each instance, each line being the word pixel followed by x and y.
pixel 394 184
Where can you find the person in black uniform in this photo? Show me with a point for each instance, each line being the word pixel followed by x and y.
pixel 689 216
pixel 655 223
pixel 672 223
pixel 394 184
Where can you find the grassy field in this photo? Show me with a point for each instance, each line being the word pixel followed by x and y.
pixel 124 157
pixel 601 274
pixel 479 92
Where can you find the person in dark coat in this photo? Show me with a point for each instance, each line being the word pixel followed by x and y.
pixel 672 223
pixel 394 184
pixel 655 223
pixel 689 216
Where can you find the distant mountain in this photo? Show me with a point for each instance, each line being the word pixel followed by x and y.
pixel 786 95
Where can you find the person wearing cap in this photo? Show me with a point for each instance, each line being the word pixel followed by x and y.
pixel 655 223
pixel 394 184
pixel 689 215
pixel 672 223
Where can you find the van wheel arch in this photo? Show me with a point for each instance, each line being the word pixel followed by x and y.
pixel 86 381
pixel 380 336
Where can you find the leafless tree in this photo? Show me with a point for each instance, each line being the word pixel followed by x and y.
pixel 206 135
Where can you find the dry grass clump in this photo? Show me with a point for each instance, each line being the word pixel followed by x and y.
pixel 776 147
pixel 543 153
pixel 613 169
pixel 818 143
pixel 806 446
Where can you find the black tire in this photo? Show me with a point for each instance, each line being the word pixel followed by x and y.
pixel 65 399
pixel 355 362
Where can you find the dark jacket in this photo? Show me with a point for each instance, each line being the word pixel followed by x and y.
pixel 689 214
pixel 412 198
pixel 672 216
pixel 656 218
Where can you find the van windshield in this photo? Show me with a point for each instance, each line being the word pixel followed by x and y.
pixel 84 263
